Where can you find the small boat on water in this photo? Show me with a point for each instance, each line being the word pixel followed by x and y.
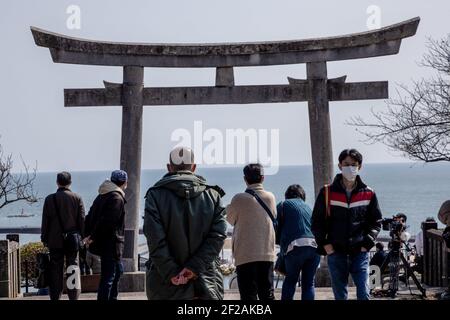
pixel 21 215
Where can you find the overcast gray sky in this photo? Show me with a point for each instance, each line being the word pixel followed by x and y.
pixel 34 123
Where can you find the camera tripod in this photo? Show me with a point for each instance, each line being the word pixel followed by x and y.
pixel 395 259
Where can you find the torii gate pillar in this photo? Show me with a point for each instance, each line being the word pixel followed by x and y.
pixel 130 158
pixel 319 124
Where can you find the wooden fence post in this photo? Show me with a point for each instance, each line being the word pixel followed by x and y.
pixel 427 250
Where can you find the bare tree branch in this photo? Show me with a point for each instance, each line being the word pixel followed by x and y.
pixel 417 122
pixel 15 186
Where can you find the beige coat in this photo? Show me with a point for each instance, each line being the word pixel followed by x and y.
pixel 254 234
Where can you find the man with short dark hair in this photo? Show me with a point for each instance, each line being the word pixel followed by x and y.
pixel 185 228
pixel 251 213
pixel 63 212
pixel 401 217
pixel 106 232
pixel 346 221
pixel 379 256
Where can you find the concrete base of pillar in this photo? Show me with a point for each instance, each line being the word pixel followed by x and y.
pixel 129 282
pixel 323 277
pixel 132 282
pixel 129 265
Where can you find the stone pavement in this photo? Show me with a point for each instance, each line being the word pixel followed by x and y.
pixel 321 294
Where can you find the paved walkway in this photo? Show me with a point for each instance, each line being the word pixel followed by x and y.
pixel 321 294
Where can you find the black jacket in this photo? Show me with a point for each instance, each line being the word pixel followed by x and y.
pixel 378 258
pixel 353 223
pixel 106 221
pixel 71 210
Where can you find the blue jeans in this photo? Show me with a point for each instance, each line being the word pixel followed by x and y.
pixel 306 260
pixel 341 265
pixel 109 280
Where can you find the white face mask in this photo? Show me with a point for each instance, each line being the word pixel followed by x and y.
pixel 350 173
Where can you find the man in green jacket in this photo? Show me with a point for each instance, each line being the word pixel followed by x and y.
pixel 185 228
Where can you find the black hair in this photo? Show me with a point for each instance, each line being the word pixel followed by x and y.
pixel 253 173
pixel 295 191
pixel 352 153
pixel 64 179
pixel 379 246
pixel 401 215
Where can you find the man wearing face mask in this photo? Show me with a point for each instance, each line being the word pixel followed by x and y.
pixel 346 221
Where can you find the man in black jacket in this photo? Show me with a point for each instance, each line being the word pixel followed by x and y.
pixel 379 256
pixel 346 221
pixel 63 212
pixel 105 229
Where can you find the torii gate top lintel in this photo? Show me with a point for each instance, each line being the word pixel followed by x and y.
pixel 380 42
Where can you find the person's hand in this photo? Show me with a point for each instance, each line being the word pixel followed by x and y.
pixel 363 249
pixel 188 274
pixel 183 277
pixel 328 249
pixel 175 280
pixel 178 280
pixel 87 241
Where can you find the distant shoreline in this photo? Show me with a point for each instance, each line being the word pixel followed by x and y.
pixel 209 167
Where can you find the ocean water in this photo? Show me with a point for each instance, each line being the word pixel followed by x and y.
pixel 415 189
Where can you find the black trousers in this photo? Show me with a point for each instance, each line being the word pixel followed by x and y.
pixel 255 280
pixel 58 272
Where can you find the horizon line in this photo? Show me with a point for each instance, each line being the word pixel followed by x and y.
pixel 234 166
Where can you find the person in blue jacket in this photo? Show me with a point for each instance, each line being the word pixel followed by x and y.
pixel 297 243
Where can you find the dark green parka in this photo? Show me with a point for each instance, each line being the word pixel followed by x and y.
pixel 185 226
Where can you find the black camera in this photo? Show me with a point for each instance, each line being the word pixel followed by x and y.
pixel 395 225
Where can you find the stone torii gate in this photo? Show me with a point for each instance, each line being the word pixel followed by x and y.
pixel 317 89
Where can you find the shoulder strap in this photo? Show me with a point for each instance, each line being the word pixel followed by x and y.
pixel 58 214
pixel 327 209
pixel 261 202
pixel 327 200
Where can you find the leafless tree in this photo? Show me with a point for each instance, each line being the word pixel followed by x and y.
pixel 15 186
pixel 417 123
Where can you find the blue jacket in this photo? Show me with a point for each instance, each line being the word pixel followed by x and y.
pixel 294 222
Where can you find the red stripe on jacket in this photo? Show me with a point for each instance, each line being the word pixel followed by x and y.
pixel 337 196
pixel 360 196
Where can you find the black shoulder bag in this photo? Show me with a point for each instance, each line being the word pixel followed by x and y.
pixel 71 239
